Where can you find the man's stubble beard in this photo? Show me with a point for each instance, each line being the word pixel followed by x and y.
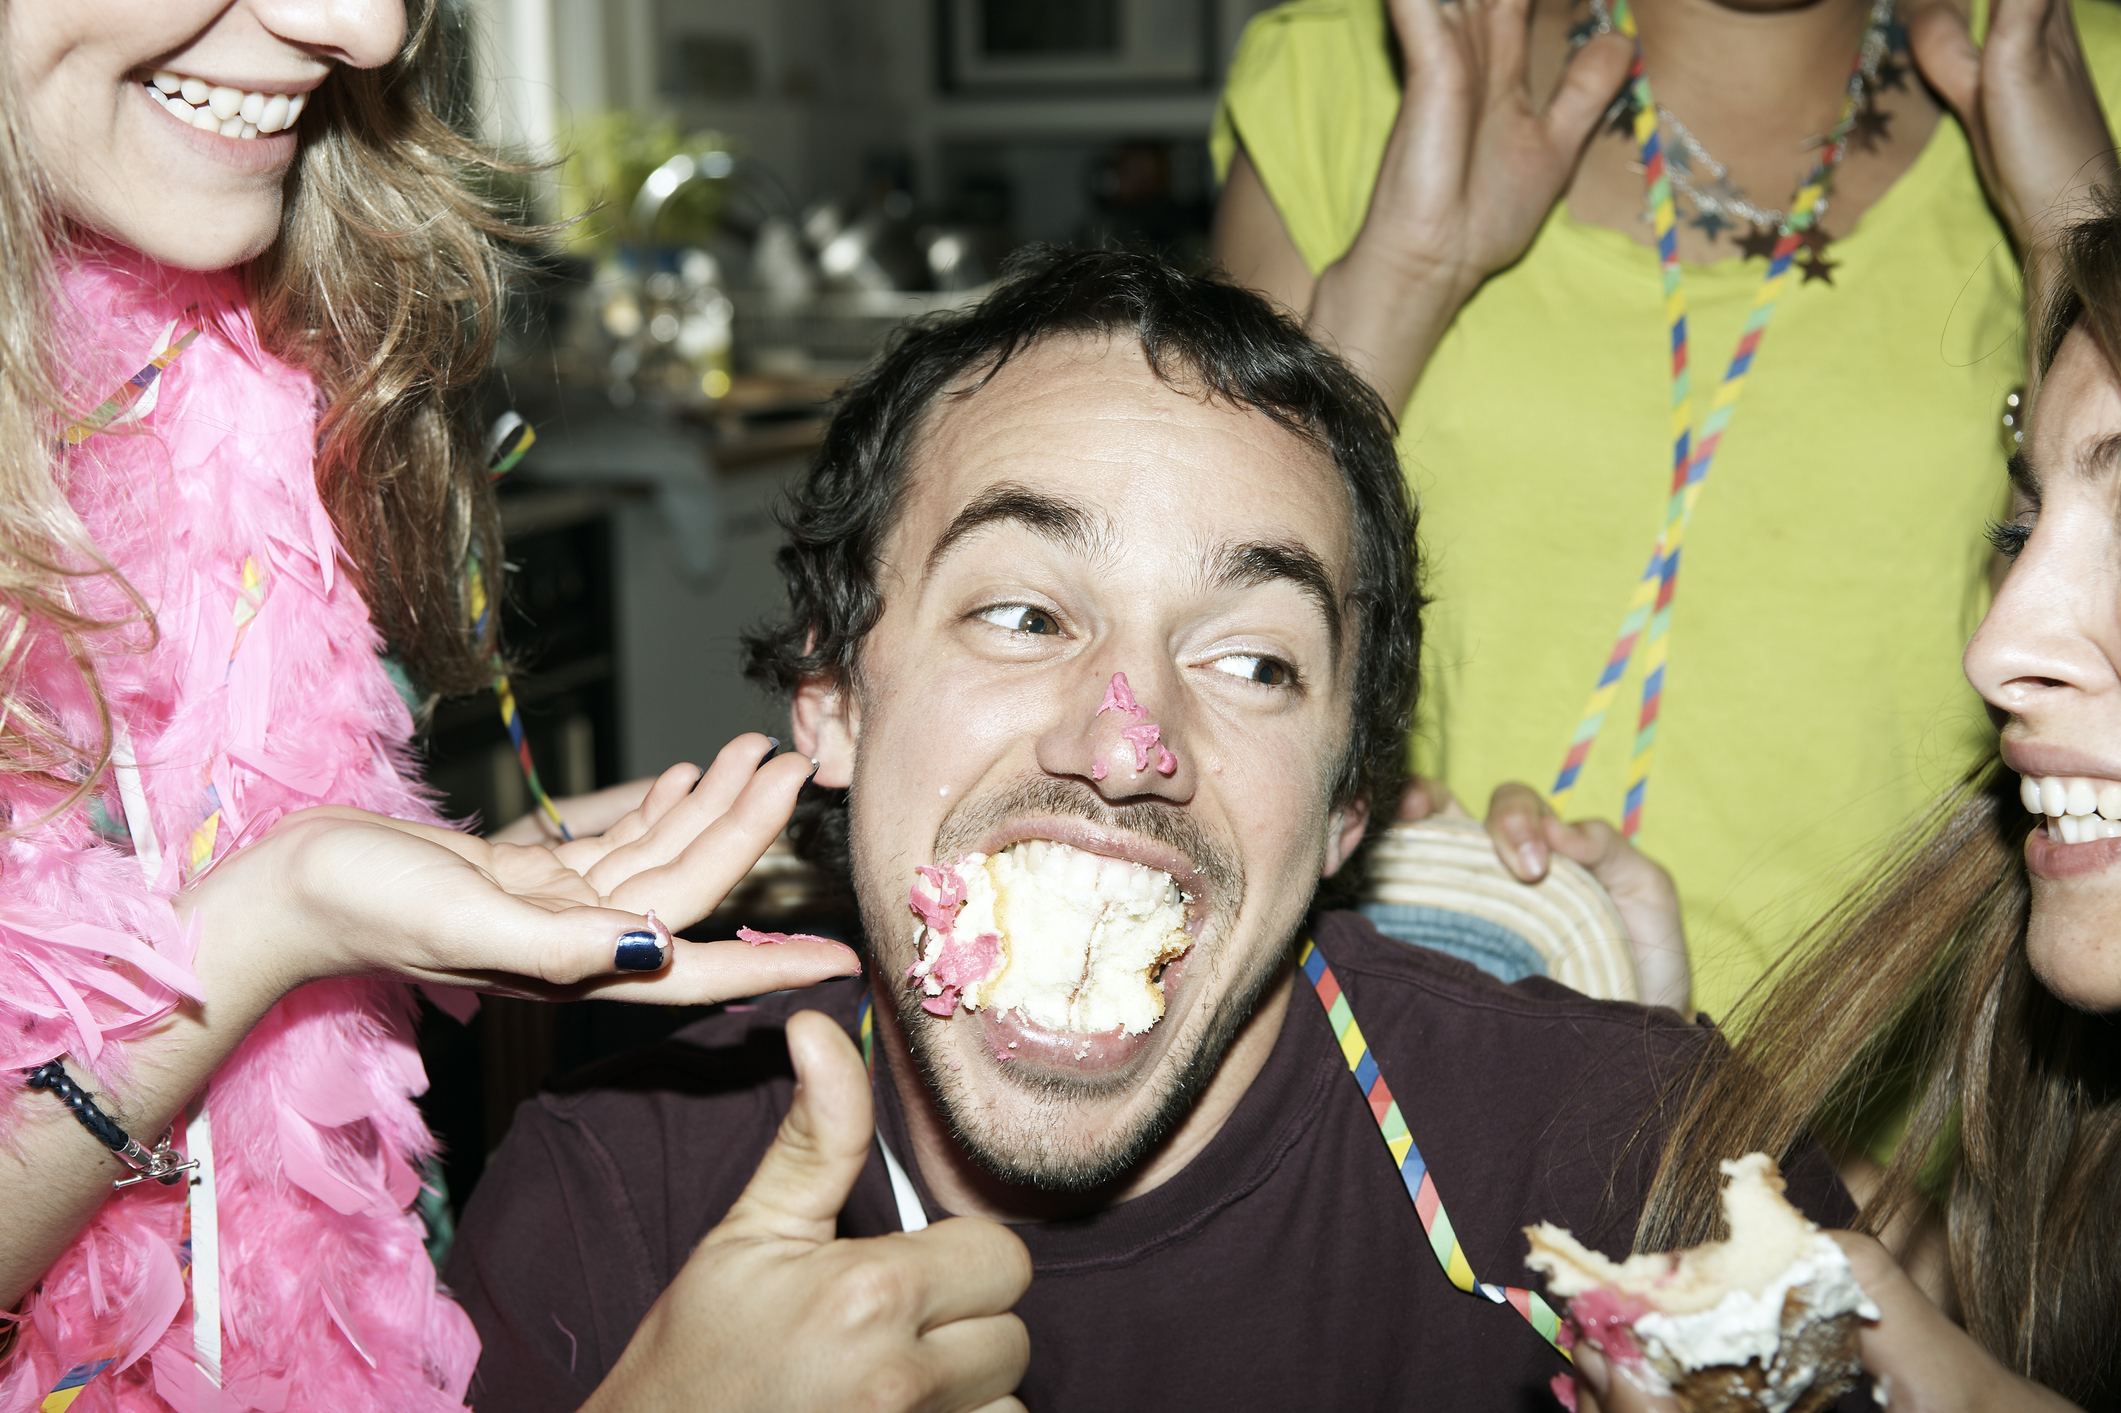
pixel 1039 1150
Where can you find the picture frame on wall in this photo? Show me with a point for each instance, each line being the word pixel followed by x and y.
pixel 1040 48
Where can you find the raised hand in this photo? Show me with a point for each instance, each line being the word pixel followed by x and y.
pixel 2028 105
pixel 772 1312
pixel 1527 834
pixel 1474 163
pixel 336 891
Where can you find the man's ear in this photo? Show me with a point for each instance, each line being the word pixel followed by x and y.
pixel 827 723
pixel 1343 833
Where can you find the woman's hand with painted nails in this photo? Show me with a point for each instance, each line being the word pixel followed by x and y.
pixel 1527 835
pixel 338 892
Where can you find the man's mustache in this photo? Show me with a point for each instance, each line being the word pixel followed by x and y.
pixel 1167 824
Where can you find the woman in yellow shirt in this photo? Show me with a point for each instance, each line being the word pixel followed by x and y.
pixel 1485 259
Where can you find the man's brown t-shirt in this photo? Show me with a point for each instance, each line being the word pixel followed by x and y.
pixel 1283 1268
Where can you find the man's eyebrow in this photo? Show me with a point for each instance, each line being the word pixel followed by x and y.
pixel 1265 561
pixel 1048 516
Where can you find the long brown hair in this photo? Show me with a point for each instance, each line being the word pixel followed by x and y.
pixel 1918 983
pixel 386 284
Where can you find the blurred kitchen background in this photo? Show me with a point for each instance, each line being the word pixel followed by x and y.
pixel 759 193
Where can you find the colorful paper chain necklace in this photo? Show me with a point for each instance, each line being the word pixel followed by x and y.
pixel 1391 1126
pixel 1651 603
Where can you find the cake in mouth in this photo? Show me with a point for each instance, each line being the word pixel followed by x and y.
pixel 1069 940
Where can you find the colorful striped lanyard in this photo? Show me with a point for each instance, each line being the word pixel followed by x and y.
pixel 511 437
pixel 1651 603
pixel 1406 1155
pixel 1391 1125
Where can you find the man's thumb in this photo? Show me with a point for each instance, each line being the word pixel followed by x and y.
pixel 805 1177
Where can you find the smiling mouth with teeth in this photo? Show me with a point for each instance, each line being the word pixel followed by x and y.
pixel 1069 940
pixel 2078 810
pixel 231 112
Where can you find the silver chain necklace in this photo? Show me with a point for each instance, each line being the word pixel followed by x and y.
pixel 1695 173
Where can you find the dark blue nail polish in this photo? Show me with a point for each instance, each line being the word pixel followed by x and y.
pixel 773 748
pixel 639 951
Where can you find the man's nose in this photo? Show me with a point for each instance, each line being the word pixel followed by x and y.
pixel 1122 731
pixel 362 34
pixel 2045 643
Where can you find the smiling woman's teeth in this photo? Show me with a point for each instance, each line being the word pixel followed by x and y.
pixel 2078 809
pixel 228 111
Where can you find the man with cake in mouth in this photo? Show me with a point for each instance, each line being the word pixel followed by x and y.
pixel 1103 632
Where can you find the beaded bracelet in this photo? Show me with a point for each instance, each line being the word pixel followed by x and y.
pixel 160 1163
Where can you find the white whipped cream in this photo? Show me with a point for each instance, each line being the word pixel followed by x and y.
pixel 1081 937
pixel 1746 1325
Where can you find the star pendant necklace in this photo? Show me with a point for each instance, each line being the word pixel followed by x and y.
pixel 1720 206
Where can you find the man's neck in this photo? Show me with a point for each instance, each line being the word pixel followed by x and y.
pixel 965 1189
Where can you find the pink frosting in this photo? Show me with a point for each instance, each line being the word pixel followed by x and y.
pixel 939 912
pixel 960 963
pixel 1141 736
pixel 1605 1318
pixel 1119 697
pixel 1100 769
pixel 760 939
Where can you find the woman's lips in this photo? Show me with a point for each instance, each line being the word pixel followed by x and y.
pixel 264 155
pixel 2051 858
pixel 1008 1034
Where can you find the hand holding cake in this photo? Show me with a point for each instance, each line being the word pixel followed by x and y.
pixel 1767 1320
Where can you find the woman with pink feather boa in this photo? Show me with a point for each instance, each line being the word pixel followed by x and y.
pixel 247 284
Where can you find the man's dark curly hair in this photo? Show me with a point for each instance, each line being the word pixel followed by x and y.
pixel 1201 335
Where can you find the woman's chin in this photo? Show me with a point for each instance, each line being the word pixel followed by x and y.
pixel 2073 939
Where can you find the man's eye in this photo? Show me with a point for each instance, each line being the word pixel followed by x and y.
pixel 1267 671
pixel 1020 618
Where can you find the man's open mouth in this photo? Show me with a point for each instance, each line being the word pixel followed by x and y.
pixel 1069 940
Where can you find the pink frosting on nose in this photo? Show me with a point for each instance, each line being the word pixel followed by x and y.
pixel 1119 697
pixel 1141 734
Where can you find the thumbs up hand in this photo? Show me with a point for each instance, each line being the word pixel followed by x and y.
pixel 773 1312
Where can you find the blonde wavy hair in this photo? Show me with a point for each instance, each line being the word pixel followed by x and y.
pixel 386 284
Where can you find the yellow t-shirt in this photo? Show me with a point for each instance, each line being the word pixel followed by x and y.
pixel 1833 570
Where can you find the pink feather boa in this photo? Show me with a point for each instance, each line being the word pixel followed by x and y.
pixel 328 1297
